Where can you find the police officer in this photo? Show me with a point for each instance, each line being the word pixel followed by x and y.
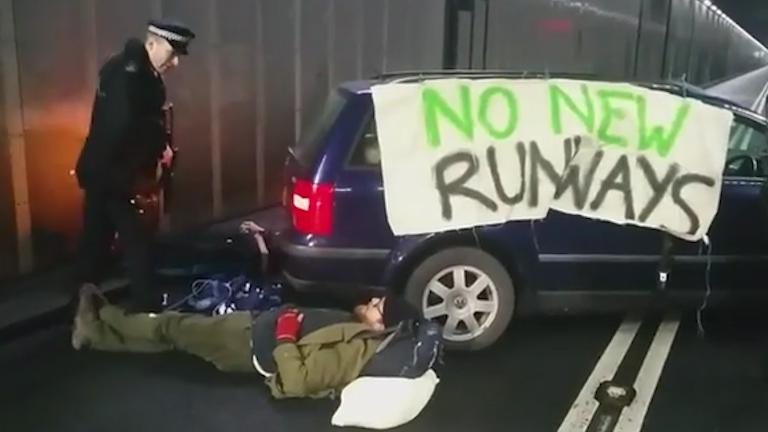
pixel 126 142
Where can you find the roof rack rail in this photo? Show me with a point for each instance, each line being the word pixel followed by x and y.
pixel 416 75
pixel 682 88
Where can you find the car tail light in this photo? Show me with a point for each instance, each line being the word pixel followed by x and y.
pixel 312 207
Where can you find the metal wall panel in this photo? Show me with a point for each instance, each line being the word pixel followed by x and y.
pixel 430 32
pixel 679 40
pixel 712 46
pixel 118 20
pixel 699 54
pixel 741 55
pixel 190 91
pixel 464 39
pixel 733 50
pixel 8 259
pixel 479 27
pixel 314 70
pixel 706 35
pixel 518 41
pixel 653 33
pixel 611 40
pixel 238 95
pixel 346 41
pixel 415 34
pixel 501 54
pixel 696 43
pixel 279 78
pixel 373 37
pixel 721 44
pixel 616 39
pixel 401 43
pixel 562 36
pixel 737 53
pixel 53 70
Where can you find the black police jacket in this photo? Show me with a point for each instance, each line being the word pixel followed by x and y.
pixel 127 134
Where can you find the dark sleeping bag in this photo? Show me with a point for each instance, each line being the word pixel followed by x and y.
pixel 413 348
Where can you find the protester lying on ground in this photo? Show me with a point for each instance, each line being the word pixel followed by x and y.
pixel 301 352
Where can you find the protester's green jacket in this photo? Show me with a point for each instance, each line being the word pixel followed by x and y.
pixel 323 362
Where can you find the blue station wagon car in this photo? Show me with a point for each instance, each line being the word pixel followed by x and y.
pixel 473 281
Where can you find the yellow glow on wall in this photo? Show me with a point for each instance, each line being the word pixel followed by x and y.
pixel 54 136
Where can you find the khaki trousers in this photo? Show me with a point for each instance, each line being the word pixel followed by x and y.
pixel 223 340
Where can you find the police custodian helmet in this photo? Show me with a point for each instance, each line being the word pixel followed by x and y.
pixel 176 33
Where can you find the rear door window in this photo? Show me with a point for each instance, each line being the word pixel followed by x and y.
pixel 747 150
pixel 313 136
pixel 366 153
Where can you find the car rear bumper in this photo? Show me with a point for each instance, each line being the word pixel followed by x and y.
pixel 331 268
pixel 334 286
pixel 311 252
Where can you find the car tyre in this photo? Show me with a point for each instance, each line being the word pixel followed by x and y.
pixel 466 290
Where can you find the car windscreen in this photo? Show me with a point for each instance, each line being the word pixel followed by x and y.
pixel 313 136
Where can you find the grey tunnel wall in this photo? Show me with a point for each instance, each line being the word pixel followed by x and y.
pixel 261 69
pixel 622 39
pixel 8 257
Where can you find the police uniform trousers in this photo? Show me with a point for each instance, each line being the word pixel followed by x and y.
pixel 104 214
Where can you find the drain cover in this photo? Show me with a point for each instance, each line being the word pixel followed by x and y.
pixel 614 394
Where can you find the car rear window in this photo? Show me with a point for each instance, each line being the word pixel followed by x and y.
pixel 366 152
pixel 313 136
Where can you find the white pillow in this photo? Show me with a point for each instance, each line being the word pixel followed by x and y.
pixel 383 403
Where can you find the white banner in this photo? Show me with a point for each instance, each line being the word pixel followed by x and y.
pixel 462 153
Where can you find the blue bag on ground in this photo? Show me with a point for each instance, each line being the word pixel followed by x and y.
pixel 222 294
pixel 240 283
pixel 208 294
pixel 257 296
pixel 411 350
